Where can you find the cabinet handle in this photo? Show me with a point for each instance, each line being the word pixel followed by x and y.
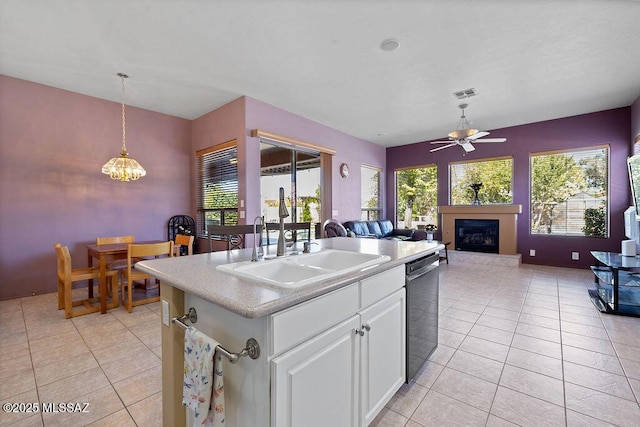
pixel 367 327
pixel 359 332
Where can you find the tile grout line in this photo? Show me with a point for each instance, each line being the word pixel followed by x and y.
pixel 611 342
pixel 564 388
pixel 108 379
pixel 126 408
pixel 33 368
pixel 507 356
pixel 615 350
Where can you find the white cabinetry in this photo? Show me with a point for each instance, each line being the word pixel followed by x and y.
pixel 316 383
pixel 382 352
pixel 344 375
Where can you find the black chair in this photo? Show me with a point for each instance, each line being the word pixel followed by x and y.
pixel 446 252
pixel 291 230
pixel 233 234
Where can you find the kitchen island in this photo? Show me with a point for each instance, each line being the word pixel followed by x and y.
pixel 313 340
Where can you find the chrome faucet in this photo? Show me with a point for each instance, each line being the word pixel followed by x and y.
pixel 282 213
pixel 257 253
pixel 307 247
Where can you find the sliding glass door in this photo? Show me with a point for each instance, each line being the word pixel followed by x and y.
pixel 298 171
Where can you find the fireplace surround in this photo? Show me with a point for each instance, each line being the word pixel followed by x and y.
pixel 507 215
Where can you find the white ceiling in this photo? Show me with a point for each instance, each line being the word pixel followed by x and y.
pixel 528 60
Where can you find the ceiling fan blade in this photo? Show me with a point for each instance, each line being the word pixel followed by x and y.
pixel 478 135
pixel 441 142
pixel 443 147
pixel 491 140
pixel 467 146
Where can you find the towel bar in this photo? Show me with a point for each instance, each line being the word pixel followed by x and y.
pixel 252 348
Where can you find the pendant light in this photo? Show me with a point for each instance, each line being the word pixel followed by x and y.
pixel 123 168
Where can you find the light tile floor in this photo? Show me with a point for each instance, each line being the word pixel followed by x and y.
pixel 518 346
pixel 110 361
pixel 523 346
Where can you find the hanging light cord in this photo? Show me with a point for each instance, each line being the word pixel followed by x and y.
pixel 124 131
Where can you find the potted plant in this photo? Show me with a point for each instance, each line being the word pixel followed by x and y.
pixel 430 229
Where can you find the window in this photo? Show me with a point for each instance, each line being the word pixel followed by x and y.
pixel 495 175
pixel 569 192
pixel 217 186
pixel 298 171
pixel 416 197
pixel 370 193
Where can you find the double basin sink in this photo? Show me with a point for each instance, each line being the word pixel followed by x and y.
pixel 294 271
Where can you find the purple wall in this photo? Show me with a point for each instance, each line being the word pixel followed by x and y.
pixel 214 128
pixel 611 127
pixel 236 120
pixel 219 126
pixel 53 144
pixel 351 150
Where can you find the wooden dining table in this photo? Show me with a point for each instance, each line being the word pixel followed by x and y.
pixel 105 254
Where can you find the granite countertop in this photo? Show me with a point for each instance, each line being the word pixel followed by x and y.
pixel 197 274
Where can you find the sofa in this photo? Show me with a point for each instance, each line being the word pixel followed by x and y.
pixel 378 229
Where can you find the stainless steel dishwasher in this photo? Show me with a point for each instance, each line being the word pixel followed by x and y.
pixel 422 285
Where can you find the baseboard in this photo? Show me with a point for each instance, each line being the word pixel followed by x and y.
pixel 487 259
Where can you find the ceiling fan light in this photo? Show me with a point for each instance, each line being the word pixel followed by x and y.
pixel 463 133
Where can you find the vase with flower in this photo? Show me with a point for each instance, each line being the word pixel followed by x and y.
pixel 430 229
pixel 476 187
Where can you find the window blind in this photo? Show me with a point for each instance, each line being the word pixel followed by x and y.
pixel 217 185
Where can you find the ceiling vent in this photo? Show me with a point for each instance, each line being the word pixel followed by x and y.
pixel 467 93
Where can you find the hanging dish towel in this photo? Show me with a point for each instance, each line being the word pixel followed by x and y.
pixel 203 389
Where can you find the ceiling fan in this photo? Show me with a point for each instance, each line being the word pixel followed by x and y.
pixel 464 135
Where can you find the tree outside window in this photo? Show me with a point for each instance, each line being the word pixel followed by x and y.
pixel 569 192
pixel 496 176
pixel 416 196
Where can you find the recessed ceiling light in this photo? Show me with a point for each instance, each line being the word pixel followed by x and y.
pixel 389 45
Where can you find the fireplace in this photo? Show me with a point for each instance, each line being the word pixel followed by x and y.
pixel 477 235
pixel 506 215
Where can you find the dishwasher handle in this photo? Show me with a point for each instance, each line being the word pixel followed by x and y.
pixel 422 266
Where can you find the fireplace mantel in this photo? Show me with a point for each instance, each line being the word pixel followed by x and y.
pixel 506 214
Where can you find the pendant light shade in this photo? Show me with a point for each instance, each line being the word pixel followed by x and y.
pixel 464 130
pixel 123 168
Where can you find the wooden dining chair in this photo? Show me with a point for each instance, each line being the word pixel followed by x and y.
pixel 115 239
pixel 67 275
pixel 130 275
pixel 183 241
pixel 291 231
pixel 114 263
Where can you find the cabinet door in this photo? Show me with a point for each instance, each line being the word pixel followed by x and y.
pixel 382 353
pixel 317 382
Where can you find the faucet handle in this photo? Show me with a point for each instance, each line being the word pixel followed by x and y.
pixel 307 247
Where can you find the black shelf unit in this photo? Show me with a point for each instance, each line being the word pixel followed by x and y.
pixel 617 284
